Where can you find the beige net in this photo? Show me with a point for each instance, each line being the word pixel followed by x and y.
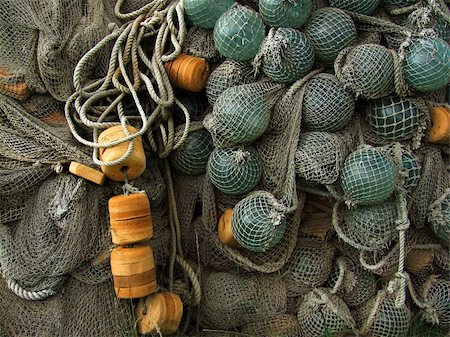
pixel 280 325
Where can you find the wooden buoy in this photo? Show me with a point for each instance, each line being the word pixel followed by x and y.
pixel 419 260
pixel 160 312
pixel 188 72
pixel 130 218
pixel 224 230
pixel 134 165
pixel 318 224
pixel 17 89
pixel 87 173
pixel 440 131
pixel 134 272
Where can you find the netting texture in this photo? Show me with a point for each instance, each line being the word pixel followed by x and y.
pixel 285 55
pixel 320 156
pixel 410 169
pixel 235 170
pixel 327 105
pixel 241 114
pixel 256 223
pixel 427 64
pixel 365 7
pixel 436 294
pixel 309 266
pixel 200 43
pixel 367 70
pixel 439 217
pixel 285 13
pixel 228 74
pixel 238 33
pixel 330 30
pixel 392 4
pixel 323 313
pixel 368 176
pixel 424 18
pixel 205 13
pixel 280 325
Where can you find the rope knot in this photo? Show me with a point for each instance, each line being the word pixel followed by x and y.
pixel 58 168
pixel 128 189
pixel 240 155
pixel 402 225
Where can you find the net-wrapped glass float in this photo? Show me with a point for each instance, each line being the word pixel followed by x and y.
pixel 205 13
pixel 365 7
pixel 285 13
pixel 410 169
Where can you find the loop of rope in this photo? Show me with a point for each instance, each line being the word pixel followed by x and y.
pixel 28 295
pixel 192 277
pixel 341 264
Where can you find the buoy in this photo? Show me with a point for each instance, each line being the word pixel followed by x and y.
pixel 188 72
pixel 224 230
pixel 440 131
pixel 87 173
pixel 16 88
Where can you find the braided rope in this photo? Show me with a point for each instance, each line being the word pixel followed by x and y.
pixel 28 295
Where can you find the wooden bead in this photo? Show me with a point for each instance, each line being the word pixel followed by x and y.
pixel 18 90
pixel 160 312
pixel 133 270
pixel 419 260
pixel 188 72
pixel 130 218
pixel 225 231
pixel 134 165
pixel 440 131
pixel 87 173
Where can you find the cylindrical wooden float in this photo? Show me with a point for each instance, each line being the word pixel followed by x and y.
pixel 419 260
pixel 87 173
pixel 16 88
pixel 130 218
pixel 224 229
pixel 134 272
pixel 188 72
pixel 440 131
pixel 134 165
pixel 160 312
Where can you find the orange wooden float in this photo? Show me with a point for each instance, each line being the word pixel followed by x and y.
pixel 188 72
pixel 225 231
pixel 87 173
pixel 440 131
pixel 419 260
pixel 17 89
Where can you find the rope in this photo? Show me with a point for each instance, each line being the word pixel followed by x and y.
pixel 28 295
pixel 192 277
pixel 341 264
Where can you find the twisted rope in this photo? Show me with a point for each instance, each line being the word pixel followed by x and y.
pixel 28 295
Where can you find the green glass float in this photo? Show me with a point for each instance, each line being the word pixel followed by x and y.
pixel 368 176
pixel 427 64
pixel 238 33
pixel 372 226
pixel 192 157
pixel 416 23
pixel 442 230
pixel 411 170
pixel 393 118
pixel 196 104
pixel 235 170
pixel 285 13
pixel 365 7
pixel 330 30
pixel 287 55
pixel 205 13
pixel 392 4
pixel 256 225
pixel 327 105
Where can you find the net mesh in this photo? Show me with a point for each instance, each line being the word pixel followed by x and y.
pixel 436 293
pixel 205 13
pixel 424 18
pixel 292 14
pixel 439 217
pixel 200 43
pixel 410 169
pixel 365 7
pixel 280 325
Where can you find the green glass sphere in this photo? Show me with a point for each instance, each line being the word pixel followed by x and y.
pixel 192 157
pixel 368 176
pixel 427 64
pixel 442 231
pixel 365 7
pixel 256 225
pixel 411 168
pixel 205 13
pixel 327 105
pixel 330 30
pixel 238 33
pixel 235 170
pixel 288 56
pixel 393 118
pixel 285 13
pixel 391 4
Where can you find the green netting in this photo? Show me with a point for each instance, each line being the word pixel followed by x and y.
pixel 367 70
pixel 423 18
pixel 322 313
pixel 238 33
pixel 365 7
pixel 228 74
pixel 241 114
pixel 205 13
pixel 427 64
pixel 439 217
pixel 285 55
pixel 199 42
pixel 327 105
pixel 436 294
pixel 192 157
pixel 368 176
pixel 235 170
pixel 330 30
pixel 393 118
pixel 280 325
pixel 256 224
pixel 285 13
pixel 392 4
pixel 410 169
pixel 196 104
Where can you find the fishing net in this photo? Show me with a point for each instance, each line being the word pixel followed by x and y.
pixel 309 266
pixel 241 114
pixel 200 43
pixel 282 13
pixel 231 300
pixel 323 313
pixel 238 33
pixel 436 292
pixel 320 156
pixel 365 7
pixel 235 170
pixel 354 285
pixel 395 4
pixel 327 105
pixel 330 30
pixel 280 325
pixel 439 217
pixel 410 169
pixel 381 317
pixel 285 55
pixel 367 70
pixel 196 105
pixel 424 18
pixel 205 13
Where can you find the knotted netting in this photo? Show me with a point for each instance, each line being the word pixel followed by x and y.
pixel 410 169
pixel 424 18
pixel 362 7
pixel 435 294
pixel 205 13
pixel 439 217
pixel 280 325
pixel 200 43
